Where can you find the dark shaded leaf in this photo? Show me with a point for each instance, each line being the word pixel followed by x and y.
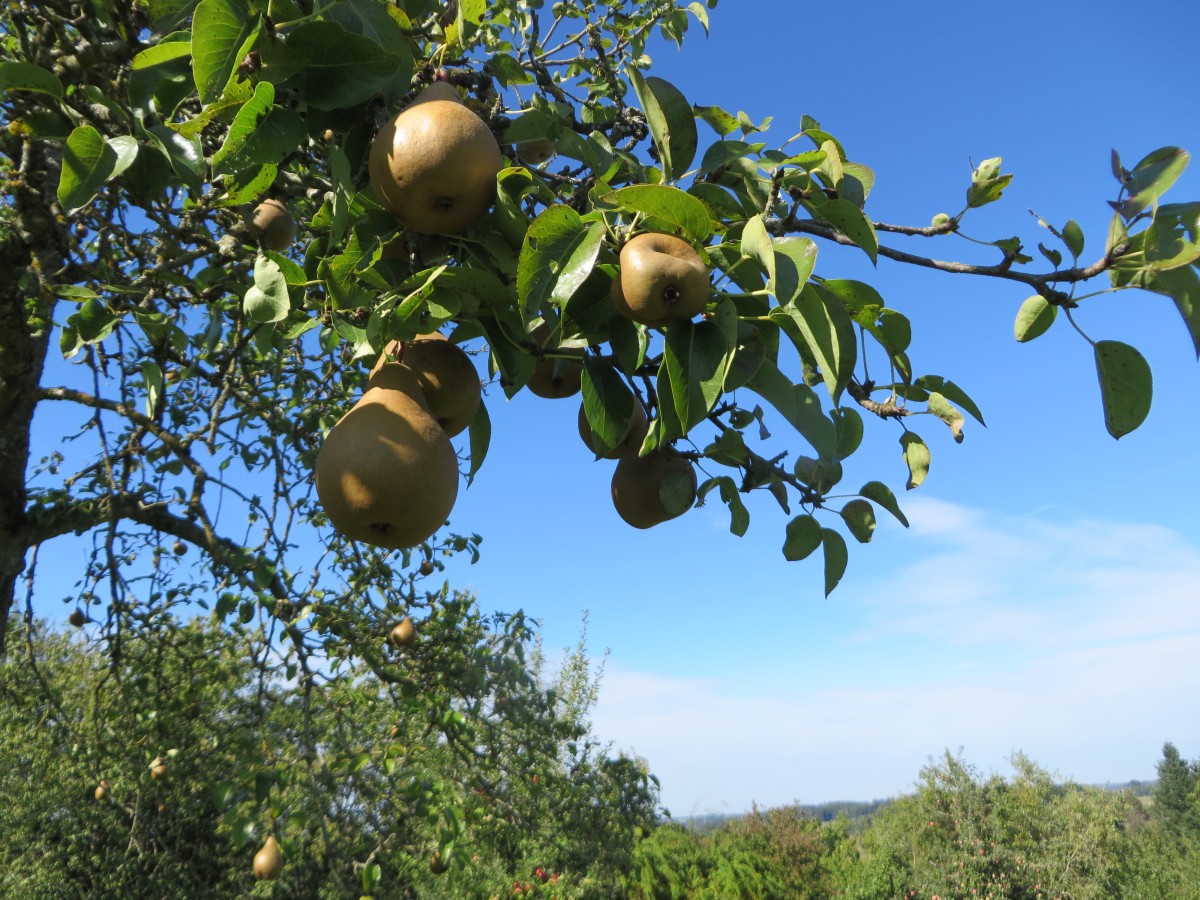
pixel 1126 386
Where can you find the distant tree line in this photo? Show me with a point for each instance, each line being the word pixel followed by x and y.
pixel 959 835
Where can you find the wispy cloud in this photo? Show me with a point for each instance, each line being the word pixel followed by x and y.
pixel 1074 641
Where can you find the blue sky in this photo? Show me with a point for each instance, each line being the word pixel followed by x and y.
pixel 1045 598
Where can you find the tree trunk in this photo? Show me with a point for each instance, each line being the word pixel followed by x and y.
pixel 33 251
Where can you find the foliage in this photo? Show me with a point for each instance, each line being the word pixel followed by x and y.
pixel 478 753
pixel 965 835
pixel 780 853
pixel 1177 792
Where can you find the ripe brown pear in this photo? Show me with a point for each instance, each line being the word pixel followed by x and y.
pixel 434 164
pixel 446 375
pixel 268 861
pixel 102 790
pixel 77 618
pixel 387 473
pixel 635 433
pixel 158 768
pixel 661 280
pixel 272 224
pixel 637 487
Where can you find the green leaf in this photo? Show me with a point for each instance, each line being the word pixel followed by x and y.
pixel 670 204
pixel 756 244
pixel 1151 178
pixel 1072 236
pixel 882 494
pixel 851 221
pixel 739 518
pixel 261 133
pixel 916 457
pixel 165 52
pixel 795 259
pixel 607 404
pixel 836 558
pixel 153 377
pixel 343 69
pixel 220 34
pixel 267 300
pixel 224 795
pixel 802 537
pixel 88 162
pixel 859 517
pixel 951 392
pixel 941 407
pixel 797 403
pixel 24 76
pixel 1126 386
pixel 371 874
pixel 848 426
pixel 721 122
pixel 1034 317
pixel 827 332
pixel 479 433
pixel 184 154
pixel 1173 238
pixel 671 120
pixel 558 245
pixel 696 358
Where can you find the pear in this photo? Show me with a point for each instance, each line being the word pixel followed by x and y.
pixel 635 433
pixel 437 865
pixel 446 375
pixel 661 280
pixel 638 482
pixel 554 377
pixel 387 473
pixel 272 224
pixel 404 633
pixel 434 164
pixel 268 861
pixel 158 768
pixel 102 790
pixel 426 567
pixel 78 618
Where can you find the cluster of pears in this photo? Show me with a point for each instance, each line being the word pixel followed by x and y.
pixel 387 473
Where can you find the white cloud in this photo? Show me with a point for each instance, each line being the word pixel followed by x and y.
pixel 1075 642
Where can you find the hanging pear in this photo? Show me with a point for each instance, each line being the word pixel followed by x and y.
pixel 387 473
pixel 448 379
